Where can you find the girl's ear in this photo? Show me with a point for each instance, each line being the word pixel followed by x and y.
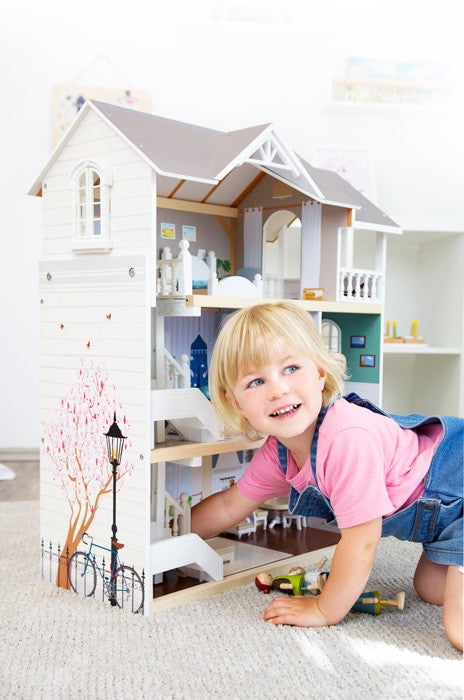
pixel 322 377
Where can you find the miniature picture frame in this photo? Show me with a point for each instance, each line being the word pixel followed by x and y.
pixel 168 231
pixel 357 341
pixel 367 360
pixel 189 232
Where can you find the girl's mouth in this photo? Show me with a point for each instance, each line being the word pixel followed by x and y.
pixel 286 411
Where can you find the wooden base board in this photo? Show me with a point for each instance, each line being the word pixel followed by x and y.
pixel 205 590
pixel 19 454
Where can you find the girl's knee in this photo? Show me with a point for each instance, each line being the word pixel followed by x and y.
pixel 429 581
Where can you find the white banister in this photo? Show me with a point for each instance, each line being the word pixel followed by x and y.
pixel 184 269
pixel 360 285
pixel 178 373
pixel 212 281
pixel 175 274
pixel 258 282
pixel 178 513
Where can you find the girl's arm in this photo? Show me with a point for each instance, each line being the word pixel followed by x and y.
pixel 351 565
pixel 220 511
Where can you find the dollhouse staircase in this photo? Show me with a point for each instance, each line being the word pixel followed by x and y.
pixel 189 411
pixel 181 547
pixel 174 552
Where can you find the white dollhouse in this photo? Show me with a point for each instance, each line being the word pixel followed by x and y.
pixel 138 212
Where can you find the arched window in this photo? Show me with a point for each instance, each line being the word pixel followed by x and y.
pixel 91 194
pixel 88 214
pixel 331 335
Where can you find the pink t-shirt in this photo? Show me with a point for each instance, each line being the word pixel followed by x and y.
pixel 366 465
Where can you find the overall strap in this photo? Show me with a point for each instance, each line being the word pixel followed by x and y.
pixel 282 450
pixel 320 418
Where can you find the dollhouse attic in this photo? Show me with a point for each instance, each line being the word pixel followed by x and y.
pixel 146 165
pixel 138 210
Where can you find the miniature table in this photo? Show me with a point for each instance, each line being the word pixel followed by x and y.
pixel 279 507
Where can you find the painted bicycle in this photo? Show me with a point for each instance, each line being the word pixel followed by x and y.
pixel 122 585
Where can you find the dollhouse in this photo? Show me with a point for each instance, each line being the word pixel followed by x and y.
pixel 139 215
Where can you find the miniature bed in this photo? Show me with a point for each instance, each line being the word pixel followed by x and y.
pixel 179 276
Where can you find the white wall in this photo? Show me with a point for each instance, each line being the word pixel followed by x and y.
pixel 222 74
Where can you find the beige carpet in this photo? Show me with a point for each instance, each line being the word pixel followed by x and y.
pixel 54 644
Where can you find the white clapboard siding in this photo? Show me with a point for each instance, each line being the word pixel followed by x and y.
pixel 130 196
pixel 125 364
pixel 91 287
pixel 137 171
pixel 91 315
pixel 133 187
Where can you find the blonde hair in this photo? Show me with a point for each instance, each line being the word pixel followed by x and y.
pixel 251 338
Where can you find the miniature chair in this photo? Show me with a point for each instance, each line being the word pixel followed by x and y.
pixel 299 519
pixel 260 516
pixel 245 527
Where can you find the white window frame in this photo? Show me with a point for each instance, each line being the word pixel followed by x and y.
pixel 90 242
pixel 333 327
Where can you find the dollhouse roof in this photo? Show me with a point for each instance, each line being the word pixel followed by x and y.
pixel 191 161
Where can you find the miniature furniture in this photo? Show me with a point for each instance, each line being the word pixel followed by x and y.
pixel 118 187
pixel 244 527
pixel 280 515
pixel 299 520
pixel 260 515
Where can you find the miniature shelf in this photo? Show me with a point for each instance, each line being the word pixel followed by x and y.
pixel 205 301
pixel 419 349
pixel 181 449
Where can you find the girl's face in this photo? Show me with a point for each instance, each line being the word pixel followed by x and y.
pixel 282 398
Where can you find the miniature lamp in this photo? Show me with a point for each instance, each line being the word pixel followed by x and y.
pixel 115 445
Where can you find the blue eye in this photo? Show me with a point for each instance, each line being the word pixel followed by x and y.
pixel 290 369
pixel 256 382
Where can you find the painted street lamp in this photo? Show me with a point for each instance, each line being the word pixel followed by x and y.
pixel 115 445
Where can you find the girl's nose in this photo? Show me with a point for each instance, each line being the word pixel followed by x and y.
pixel 278 387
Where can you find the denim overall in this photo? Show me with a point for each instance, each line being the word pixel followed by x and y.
pixel 435 519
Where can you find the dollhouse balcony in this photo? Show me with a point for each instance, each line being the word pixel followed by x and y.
pixel 363 286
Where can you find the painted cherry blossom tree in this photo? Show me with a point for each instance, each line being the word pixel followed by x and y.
pixel 76 445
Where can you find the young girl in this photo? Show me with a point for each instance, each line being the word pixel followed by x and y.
pixel 339 458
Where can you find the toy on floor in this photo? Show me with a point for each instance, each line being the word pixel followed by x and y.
pixel 296 582
pixel 372 603
pixel 299 581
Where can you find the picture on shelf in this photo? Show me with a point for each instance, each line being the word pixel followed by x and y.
pixel 357 341
pixel 367 360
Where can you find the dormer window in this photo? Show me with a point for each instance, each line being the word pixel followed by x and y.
pixel 91 184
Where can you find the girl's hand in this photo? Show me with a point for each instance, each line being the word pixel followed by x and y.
pixel 296 610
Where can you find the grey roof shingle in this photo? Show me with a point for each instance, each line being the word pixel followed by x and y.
pixel 180 150
pixel 178 147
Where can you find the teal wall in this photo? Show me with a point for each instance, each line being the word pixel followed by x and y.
pixel 360 324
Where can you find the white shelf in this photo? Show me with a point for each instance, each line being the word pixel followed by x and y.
pixel 206 301
pixel 419 349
